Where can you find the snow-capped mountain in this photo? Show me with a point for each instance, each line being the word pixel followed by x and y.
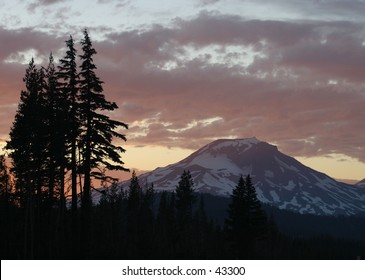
pixel 280 180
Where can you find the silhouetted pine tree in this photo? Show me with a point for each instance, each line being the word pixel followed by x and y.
pixel 237 220
pixel 256 216
pixel 26 135
pixel 56 118
pixel 134 193
pixel 147 222
pixel 97 130
pixel 68 79
pixel 148 199
pixel 139 220
pixel 185 198
pixel 28 138
pixel 246 222
pixel 133 226
pixel 54 154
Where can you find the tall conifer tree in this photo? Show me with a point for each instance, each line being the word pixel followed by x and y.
pixel 27 143
pixel 27 138
pixel 68 78
pixel 57 128
pixel 98 130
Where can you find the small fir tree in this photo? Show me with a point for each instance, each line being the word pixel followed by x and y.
pixel 185 198
pixel 134 193
pixel 246 220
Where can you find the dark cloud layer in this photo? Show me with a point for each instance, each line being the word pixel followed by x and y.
pixel 32 6
pixel 184 85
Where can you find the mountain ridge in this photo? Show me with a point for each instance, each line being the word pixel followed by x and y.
pixel 361 183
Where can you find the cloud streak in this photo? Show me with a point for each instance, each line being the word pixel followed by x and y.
pixel 42 3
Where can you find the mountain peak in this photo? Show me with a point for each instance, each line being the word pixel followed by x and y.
pixel 225 145
pixel 236 142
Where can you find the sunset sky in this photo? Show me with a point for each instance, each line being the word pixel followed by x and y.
pixel 184 73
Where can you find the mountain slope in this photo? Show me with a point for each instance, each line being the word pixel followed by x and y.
pixel 280 180
pixel 361 183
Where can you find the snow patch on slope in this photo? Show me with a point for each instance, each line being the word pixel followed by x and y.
pixel 212 162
